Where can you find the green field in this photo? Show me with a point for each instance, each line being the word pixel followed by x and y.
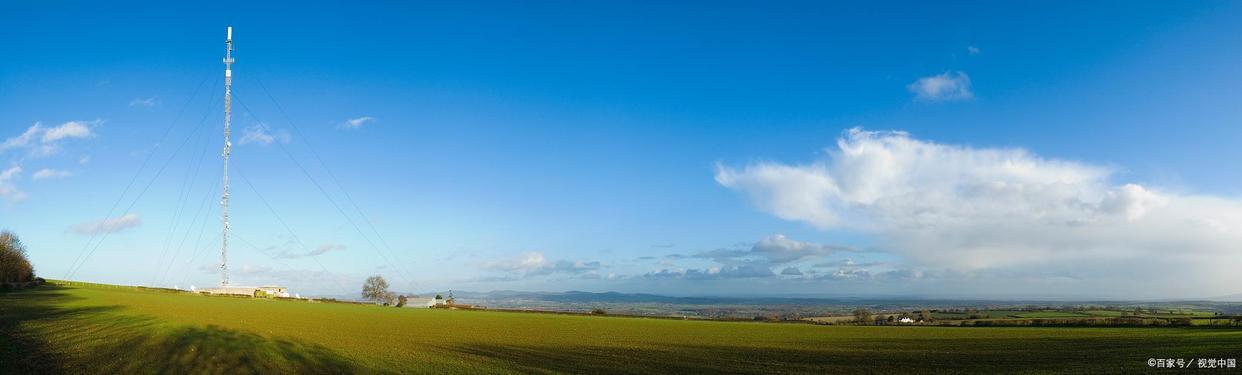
pixel 988 314
pixel 1050 314
pixel 1105 313
pixel 101 329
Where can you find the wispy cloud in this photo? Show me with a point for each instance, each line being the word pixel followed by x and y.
pixel 24 139
pixel 111 225
pixel 355 122
pixel 753 261
pixel 973 50
pixel 536 264
pixel 260 134
pixel 290 250
pixel 71 129
pixel 779 249
pixel 947 86
pixel 775 249
pixel 10 173
pixel 144 102
pixel 8 190
pixel 325 248
pixel 47 173
pixel 43 141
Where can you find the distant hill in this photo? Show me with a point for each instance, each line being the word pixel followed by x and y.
pixel 618 297
pixel 1229 298
pixel 514 298
pixel 595 297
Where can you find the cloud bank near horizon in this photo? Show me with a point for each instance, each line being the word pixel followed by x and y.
pixel 1003 213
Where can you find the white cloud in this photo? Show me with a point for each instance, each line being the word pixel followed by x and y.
pixel 44 141
pixel 39 140
pixel 259 134
pixel 8 190
pixel 1001 210
pixel 536 264
pixel 791 193
pixel 894 178
pixel 47 173
pixel 773 250
pixel 111 225
pixel 973 50
pixel 1131 200
pixel 144 102
pixel 356 122
pixel 780 249
pixel 947 86
pixel 71 129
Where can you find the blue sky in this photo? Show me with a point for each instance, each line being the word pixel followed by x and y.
pixel 1035 149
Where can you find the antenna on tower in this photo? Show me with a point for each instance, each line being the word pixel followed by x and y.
pixel 228 146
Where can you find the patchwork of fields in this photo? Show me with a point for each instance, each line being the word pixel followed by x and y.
pixel 1023 314
pixel 103 329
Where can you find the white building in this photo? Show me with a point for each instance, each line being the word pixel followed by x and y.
pixel 906 321
pixel 435 301
pixel 253 291
pixel 275 291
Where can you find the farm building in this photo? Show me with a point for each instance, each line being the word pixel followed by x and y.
pixel 275 291
pixel 906 321
pixel 436 301
pixel 253 291
pixel 439 302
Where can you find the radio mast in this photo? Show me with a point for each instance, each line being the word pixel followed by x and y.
pixel 224 198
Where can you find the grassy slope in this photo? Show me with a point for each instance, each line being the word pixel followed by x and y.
pixel 110 330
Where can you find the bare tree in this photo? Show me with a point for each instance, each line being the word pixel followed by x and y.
pixel 14 266
pixel 862 315
pixel 376 289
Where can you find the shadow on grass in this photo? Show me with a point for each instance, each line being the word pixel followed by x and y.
pixel 649 360
pixel 22 352
pixel 864 355
pixel 39 334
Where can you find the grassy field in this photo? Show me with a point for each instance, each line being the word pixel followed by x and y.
pixel 1050 314
pixel 100 329
pixel 1105 313
pixel 1086 314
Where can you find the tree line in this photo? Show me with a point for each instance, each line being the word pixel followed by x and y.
pixel 15 267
